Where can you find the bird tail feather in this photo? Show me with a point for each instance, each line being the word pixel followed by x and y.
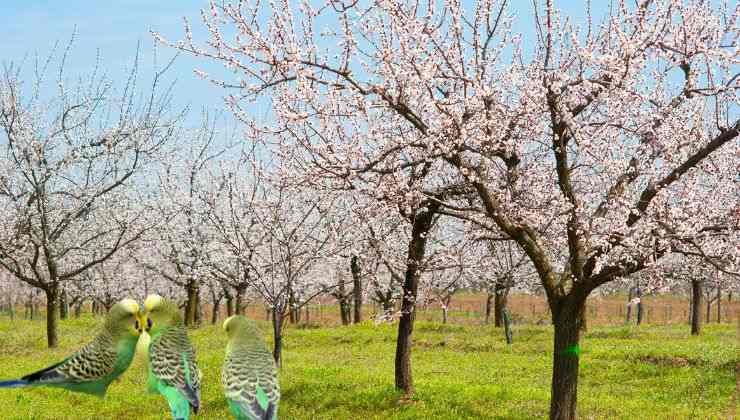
pixel 260 413
pixel 271 412
pixel 14 384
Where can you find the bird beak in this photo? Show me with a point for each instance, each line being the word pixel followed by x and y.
pixel 142 322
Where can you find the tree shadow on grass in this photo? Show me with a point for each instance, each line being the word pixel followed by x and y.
pixel 334 401
pixel 330 396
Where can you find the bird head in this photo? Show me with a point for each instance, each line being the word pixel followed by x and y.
pixel 159 313
pixel 239 325
pixel 125 317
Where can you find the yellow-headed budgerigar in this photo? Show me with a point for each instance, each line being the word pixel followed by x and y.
pixel 172 368
pixel 100 362
pixel 249 375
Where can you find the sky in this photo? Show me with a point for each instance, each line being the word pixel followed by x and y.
pixel 30 27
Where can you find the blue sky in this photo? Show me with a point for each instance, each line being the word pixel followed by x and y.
pixel 29 27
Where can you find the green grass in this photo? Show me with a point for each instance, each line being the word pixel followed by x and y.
pixel 459 372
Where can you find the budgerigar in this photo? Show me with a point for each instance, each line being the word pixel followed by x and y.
pixel 100 362
pixel 249 375
pixel 172 368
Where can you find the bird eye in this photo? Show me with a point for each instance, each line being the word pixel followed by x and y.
pixel 148 323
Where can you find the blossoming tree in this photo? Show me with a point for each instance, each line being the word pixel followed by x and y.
pixel 597 152
pixel 270 239
pixel 70 156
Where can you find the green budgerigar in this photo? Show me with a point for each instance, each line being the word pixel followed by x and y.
pixel 249 374
pixel 172 368
pixel 92 369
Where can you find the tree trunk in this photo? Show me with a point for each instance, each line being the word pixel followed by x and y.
pixel 709 310
pixel 277 334
pixel 63 305
pixel 564 390
pixel 695 307
pixel 345 311
pixel 583 321
pixel 52 312
pixel 719 305
pixel 215 311
pixel 639 312
pixel 357 288
pixel 240 307
pixel 78 309
pixel 446 301
pixel 229 302
pixel 297 314
pixel 489 303
pixel 296 310
pixel 31 306
pixel 500 303
pixel 507 325
pixel 404 380
pixel 191 304
pixel 417 247
pixel 198 310
pixel 294 315
pixel 11 307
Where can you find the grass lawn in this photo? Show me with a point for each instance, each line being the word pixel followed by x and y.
pixel 650 372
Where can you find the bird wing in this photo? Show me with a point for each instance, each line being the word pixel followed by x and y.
pixel 93 362
pixel 172 361
pixel 250 382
